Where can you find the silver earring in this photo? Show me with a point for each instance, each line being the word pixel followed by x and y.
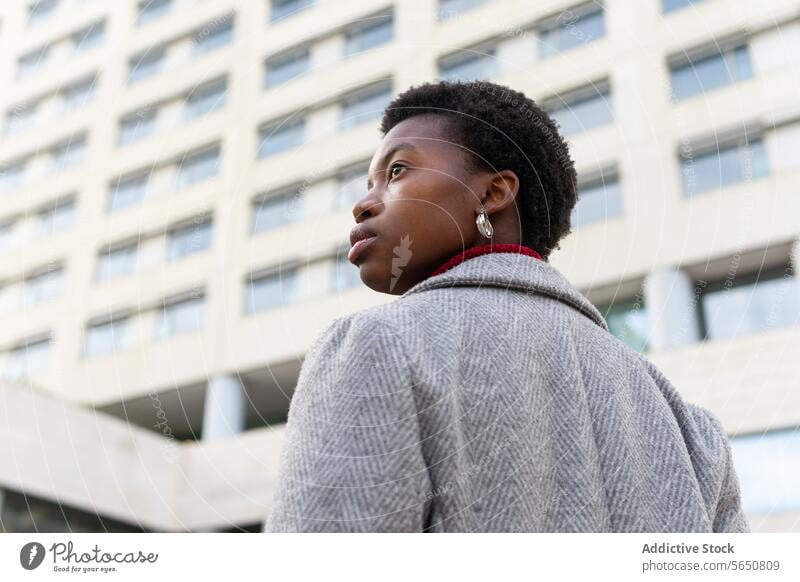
pixel 484 226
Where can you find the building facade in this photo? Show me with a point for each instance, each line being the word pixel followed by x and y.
pixel 176 186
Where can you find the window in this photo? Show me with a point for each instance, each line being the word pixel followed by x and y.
pixel 583 109
pixel 451 8
pixel 189 239
pixel 150 10
pixel 274 211
pixel 105 338
pixel 89 37
pixel 730 164
pixel 146 65
pixel 469 64
pixel 117 261
pixel 365 105
pixel 30 63
pixel 278 137
pixel 374 32
pixel 67 155
pixel 768 471
pixel 599 198
pixel 77 95
pixel 7 235
pixel 352 186
pixel 287 66
pixel 345 274
pixel 628 321
pixel 56 217
pixel 128 192
pixel 270 291
pixel 571 29
pixel 41 11
pixel 206 99
pixel 181 316
pixel 12 176
pixel 198 167
pixel 43 287
pixel 283 8
pixel 750 305
pixel 672 5
pixel 21 118
pixel 28 360
pixel 213 36
pixel 137 126
pixel 706 72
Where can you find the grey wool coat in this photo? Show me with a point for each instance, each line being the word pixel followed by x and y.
pixel 492 398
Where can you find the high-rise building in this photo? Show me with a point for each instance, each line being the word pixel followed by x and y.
pixel 176 188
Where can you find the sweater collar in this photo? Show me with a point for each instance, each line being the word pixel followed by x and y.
pixel 509 269
pixel 482 250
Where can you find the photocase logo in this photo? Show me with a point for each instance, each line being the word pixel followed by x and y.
pixel 31 555
pixel 402 254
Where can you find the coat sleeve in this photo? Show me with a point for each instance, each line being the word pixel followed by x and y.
pixel 351 460
pixel 729 516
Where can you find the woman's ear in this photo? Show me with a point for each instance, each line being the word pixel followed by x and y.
pixel 501 191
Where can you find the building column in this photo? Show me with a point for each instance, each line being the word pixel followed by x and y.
pixel 224 409
pixel 671 303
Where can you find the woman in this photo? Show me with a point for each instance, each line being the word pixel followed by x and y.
pixel 490 395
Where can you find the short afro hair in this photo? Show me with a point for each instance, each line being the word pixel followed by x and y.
pixel 505 130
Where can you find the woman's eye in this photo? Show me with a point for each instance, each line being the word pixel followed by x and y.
pixel 394 167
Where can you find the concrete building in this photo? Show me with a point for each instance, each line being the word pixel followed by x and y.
pixel 176 185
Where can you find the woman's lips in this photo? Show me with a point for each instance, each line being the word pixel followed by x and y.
pixel 357 249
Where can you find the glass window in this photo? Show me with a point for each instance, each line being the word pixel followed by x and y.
pixel 283 68
pixel 751 307
pixel 106 338
pixel 32 62
pixel 582 110
pixel 43 287
pixel 7 232
pixel 283 8
pixel 55 218
pixel 279 137
pixel 12 176
pixel 729 165
pixel 572 28
pixel 275 211
pixel 352 186
pixel 146 65
pixel 671 5
pixel 89 37
pixel 137 126
pixel 117 261
pixel 451 8
pixel 128 192
pixel 180 317
pixel 628 321
pixel 375 32
pixel 768 470
pixel 28 360
pixel 213 36
pixel 150 10
pixel 598 200
pixel 68 155
pixel 365 105
pixel 189 239
pixel 198 167
pixel 41 11
pixel 206 99
pixel 468 65
pixel 77 95
pixel 707 73
pixel 21 118
pixel 271 291
pixel 345 274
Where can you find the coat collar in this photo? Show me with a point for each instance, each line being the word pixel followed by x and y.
pixel 513 271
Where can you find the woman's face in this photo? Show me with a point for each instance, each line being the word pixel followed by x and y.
pixel 421 206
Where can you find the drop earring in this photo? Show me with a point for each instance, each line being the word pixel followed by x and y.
pixel 484 226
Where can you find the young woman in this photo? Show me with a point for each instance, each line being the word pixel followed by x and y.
pixel 490 395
